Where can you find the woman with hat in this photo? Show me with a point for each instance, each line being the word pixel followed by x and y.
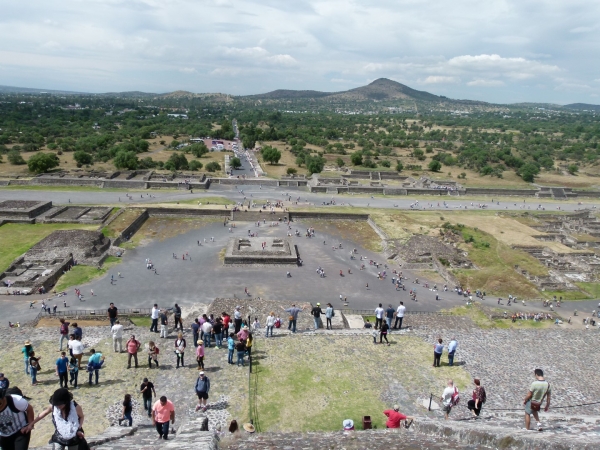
pixel 27 350
pixel 67 417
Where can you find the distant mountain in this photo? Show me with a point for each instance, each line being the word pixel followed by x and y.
pixel 22 90
pixel 582 107
pixel 380 89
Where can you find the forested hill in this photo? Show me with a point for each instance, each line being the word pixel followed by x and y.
pixel 583 107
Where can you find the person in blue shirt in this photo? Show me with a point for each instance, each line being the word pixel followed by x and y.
pixel 77 331
pixel 61 369
pixel 196 331
pixel 94 364
pixel 451 351
pixel 230 348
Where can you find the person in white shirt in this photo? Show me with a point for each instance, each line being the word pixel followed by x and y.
pixel 207 332
pixel 378 316
pixel 76 348
pixel 154 317
pixel 399 315
pixel 117 334
pixel 447 398
pixel 270 323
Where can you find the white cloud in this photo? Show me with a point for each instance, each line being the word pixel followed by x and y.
pixel 188 70
pixel 439 79
pixel 485 83
pixel 281 60
pixel 578 30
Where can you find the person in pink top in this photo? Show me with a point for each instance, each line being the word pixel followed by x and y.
pixel 163 411
pixel 243 334
pixel 200 355
pixel 133 346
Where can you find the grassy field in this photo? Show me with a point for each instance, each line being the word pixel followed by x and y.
pixel 359 232
pixel 81 274
pixel 116 227
pixel 205 201
pixel 161 228
pixel 481 318
pixel 16 238
pixel 331 388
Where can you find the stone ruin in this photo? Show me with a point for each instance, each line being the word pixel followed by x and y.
pixel 250 250
pixel 44 263
pixel 22 210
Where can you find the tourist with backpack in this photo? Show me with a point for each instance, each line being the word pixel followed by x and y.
pixel 450 398
pixel 202 388
pixel 64 332
pixel 329 313
pixel 34 367
pixel 538 390
pixel 132 347
pixel 16 418
pixel 479 398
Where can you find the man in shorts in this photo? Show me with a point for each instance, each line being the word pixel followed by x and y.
pixel 202 388
pixel 539 389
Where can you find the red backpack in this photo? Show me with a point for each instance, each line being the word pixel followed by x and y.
pixel 278 323
pixel 455 397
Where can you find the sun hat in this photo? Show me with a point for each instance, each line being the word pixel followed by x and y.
pixel 27 342
pixel 396 408
pixel 249 428
pixel 348 424
pixel 318 304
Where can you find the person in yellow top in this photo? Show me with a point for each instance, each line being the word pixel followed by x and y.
pixel 249 342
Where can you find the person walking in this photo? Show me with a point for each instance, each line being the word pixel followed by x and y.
pixel 163 411
pixel 230 348
pixel 132 346
pixel 180 349
pixel 328 315
pixel 117 335
pixel 112 314
pixel 395 417
pixel 73 372
pixel 270 323
pixel 4 382
pixel 64 332
pixel 378 316
pixel 383 331
pixel 75 348
pixel 438 349
pixel 202 388
pixel 316 313
pixel 452 351
pixel 17 418
pixel 195 332
pixel 538 390
pixel 389 315
pixel 164 324
pixel 399 315
pixel 478 399
pixel 27 350
pixel 147 389
pixel 68 418
pixel 153 352
pixel 127 410
pixel 218 332
pixel 448 398
pixel 177 316
pixel 154 316
pixel 200 355
pixel 61 369
pixel 95 362
pixel 249 341
pixel 293 312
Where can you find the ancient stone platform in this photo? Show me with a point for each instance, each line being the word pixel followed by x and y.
pixel 260 250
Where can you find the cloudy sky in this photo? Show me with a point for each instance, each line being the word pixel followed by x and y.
pixel 499 51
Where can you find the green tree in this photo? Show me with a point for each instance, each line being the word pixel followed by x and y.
pixel 386 163
pixel 174 143
pixel 271 154
pixel 291 171
pixel 339 162
pixel 314 164
pixel 235 162
pixel 198 150
pixel 399 166
pixel 300 160
pixel 82 158
pixel 573 169
pixel 15 158
pixel 213 166
pixel 177 161
pixel 195 165
pixel 356 158
pixel 528 171
pixel 435 166
pixel 126 160
pixel 42 162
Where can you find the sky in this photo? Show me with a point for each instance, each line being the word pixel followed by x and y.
pixel 501 51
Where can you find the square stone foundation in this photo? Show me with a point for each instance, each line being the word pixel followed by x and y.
pixel 250 250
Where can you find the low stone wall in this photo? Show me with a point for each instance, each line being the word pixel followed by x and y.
pixel 19 182
pixel 247 181
pixel 581 193
pixel 125 184
pixel 501 192
pixel 395 191
pixel 300 215
pixel 184 212
pixel 64 181
pixel 133 227
pixel 255 216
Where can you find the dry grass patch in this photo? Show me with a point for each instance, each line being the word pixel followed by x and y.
pixel 117 226
pixel 359 232
pixel 162 228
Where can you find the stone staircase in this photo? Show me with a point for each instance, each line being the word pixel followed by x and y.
pixel 558 193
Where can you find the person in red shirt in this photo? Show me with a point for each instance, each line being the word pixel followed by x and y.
pixel 395 417
pixel 226 320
